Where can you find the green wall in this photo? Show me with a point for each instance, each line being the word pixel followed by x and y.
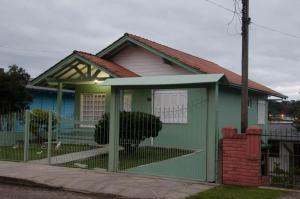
pixel 186 167
pixel 229 109
pixel 190 135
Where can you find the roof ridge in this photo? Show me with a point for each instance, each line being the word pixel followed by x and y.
pixel 80 51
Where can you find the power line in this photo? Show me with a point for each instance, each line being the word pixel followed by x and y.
pixel 274 30
pixel 255 24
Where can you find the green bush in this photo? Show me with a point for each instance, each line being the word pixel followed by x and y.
pixel 39 124
pixel 281 177
pixel 134 128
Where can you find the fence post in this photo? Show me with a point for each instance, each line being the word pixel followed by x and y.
pixel 49 136
pixel 26 135
pixel 114 120
pixel 14 122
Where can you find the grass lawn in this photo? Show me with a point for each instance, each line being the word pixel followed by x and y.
pixel 37 151
pixel 235 192
pixel 143 155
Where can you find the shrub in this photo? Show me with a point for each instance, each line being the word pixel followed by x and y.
pixel 39 124
pixel 134 128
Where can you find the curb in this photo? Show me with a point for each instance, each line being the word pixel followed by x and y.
pixel 29 183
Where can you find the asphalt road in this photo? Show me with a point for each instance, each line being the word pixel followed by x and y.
pixel 9 191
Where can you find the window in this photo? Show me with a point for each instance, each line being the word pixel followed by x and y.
pixel 127 102
pixel 274 148
pixel 170 105
pixel 249 102
pixel 92 106
pixel 261 110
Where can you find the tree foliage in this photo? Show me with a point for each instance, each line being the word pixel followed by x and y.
pixel 282 107
pixel 13 93
pixel 134 128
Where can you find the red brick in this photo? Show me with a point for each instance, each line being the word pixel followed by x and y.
pixel 241 157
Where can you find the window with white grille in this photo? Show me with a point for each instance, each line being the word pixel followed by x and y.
pixel 92 106
pixel 170 105
pixel 127 102
pixel 261 110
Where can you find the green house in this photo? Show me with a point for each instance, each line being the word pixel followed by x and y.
pixel 194 98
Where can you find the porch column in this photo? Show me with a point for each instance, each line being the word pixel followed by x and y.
pixel 59 107
pixel 114 122
pixel 212 132
pixel 59 98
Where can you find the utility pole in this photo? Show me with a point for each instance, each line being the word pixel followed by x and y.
pixel 245 41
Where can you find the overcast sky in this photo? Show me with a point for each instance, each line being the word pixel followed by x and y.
pixel 37 34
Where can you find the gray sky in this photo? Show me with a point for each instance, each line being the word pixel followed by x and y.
pixel 37 34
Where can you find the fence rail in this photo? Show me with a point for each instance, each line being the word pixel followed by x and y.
pixel 46 138
pixel 281 156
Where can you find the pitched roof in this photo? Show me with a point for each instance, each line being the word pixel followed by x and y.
pixel 203 65
pixel 109 65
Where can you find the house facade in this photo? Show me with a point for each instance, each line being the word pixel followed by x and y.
pixel 45 98
pixel 193 97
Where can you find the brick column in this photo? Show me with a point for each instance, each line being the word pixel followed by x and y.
pixel 241 157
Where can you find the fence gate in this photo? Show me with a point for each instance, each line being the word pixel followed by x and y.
pixel 281 156
pixel 163 133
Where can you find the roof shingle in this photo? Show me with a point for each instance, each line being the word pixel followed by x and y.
pixel 203 65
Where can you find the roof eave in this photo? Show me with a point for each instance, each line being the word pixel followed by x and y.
pixel 261 91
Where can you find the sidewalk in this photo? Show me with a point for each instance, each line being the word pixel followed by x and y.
pixel 80 180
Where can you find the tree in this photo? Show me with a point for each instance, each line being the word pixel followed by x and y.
pixel 134 128
pixel 13 93
pixel 296 122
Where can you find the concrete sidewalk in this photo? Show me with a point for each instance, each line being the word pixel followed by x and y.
pixel 80 180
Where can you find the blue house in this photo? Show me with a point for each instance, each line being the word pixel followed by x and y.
pixel 46 99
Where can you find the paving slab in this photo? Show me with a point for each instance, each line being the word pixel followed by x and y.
pixel 90 181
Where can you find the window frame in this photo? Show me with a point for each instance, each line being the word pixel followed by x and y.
pixel 178 121
pixel 81 116
pixel 261 105
pixel 127 106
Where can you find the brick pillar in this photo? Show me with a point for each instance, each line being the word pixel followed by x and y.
pixel 241 157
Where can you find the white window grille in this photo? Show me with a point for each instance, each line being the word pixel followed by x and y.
pixel 92 107
pixel 170 105
pixel 261 111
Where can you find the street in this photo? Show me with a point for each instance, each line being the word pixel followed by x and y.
pixel 10 191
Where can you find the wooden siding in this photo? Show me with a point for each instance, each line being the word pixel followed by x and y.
pixel 47 100
pixel 145 63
